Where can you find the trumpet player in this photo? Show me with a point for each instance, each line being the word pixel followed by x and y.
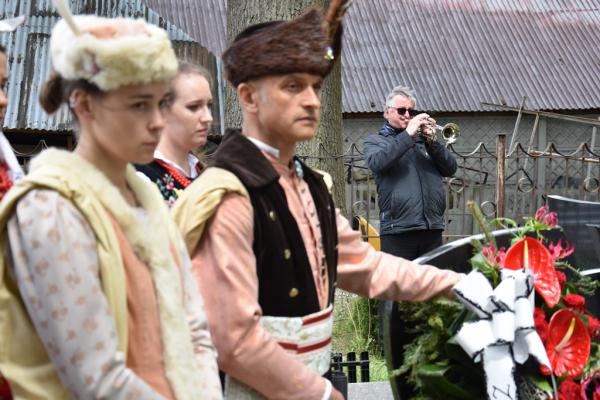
pixel 408 170
pixel 409 165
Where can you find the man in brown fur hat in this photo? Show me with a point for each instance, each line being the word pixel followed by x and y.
pixel 268 245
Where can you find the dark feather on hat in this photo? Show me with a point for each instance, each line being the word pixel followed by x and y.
pixel 335 14
pixel 310 43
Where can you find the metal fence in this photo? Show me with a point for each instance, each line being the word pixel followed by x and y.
pixel 503 183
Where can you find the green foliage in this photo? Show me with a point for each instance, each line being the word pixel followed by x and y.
pixel 478 261
pixel 482 222
pixel 377 368
pixel 594 363
pixel 356 328
pixel 364 317
pixel 436 366
pixel 581 284
pixel 431 325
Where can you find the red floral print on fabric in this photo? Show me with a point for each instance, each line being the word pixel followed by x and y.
pixel 183 181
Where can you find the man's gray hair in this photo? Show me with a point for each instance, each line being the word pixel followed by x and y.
pixel 401 91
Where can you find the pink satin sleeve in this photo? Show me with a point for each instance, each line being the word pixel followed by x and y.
pixel 373 274
pixel 225 267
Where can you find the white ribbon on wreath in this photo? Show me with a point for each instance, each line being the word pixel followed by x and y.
pixel 505 331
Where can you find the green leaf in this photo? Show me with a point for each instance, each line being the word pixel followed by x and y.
pixel 435 378
pixel 479 262
pixel 456 353
pixel 458 322
pixel 541 382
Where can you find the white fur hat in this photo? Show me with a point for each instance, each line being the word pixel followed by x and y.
pixel 112 52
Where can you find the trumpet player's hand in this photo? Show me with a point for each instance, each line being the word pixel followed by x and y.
pixel 416 122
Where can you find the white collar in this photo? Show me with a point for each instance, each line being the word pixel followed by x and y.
pixel 192 162
pixel 264 147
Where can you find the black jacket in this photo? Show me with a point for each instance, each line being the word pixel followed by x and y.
pixel 409 175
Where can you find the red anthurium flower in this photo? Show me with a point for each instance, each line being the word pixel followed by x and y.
pixel 574 301
pixel 562 279
pixel 531 253
pixel 568 344
pixel 569 390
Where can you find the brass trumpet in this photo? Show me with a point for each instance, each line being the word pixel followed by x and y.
pixel 447 133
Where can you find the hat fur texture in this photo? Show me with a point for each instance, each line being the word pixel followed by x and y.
pixel 310 43
pixel 112 52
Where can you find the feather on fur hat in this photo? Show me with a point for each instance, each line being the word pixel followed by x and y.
pixel 309 43
pixel 111 52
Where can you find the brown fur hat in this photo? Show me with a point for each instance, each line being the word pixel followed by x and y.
pixel 309 43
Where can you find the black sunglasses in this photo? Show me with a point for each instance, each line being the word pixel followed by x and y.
pixel 403 110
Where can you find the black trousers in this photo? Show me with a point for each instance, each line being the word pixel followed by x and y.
pixel 413 244
pixel 409 245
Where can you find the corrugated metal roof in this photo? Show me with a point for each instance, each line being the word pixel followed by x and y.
pixel 459 53
pixel 454 53
pixel 29 61
pixel 204 20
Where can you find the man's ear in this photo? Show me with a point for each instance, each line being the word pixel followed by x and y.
pixel 81 103
pixel 248 97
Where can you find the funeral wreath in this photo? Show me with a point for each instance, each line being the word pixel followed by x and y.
pixel 520 329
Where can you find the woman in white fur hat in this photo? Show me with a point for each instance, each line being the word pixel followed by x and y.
pixel 97 299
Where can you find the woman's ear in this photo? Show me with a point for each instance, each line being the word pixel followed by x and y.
pixel 248 97
pixel 80 103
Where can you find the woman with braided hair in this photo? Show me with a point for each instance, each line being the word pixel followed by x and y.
pixel 97 297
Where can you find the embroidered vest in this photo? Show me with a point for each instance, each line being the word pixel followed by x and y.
pixel 285 279
pixel 168 180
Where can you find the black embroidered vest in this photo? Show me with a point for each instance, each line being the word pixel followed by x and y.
pixel 161 177
pixel 286 287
